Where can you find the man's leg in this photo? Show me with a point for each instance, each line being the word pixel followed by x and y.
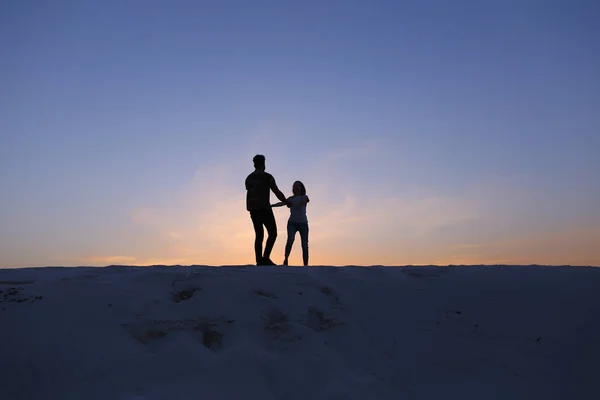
pixel 257 222
pixel 303 228
pixel 291 233
pixel 271 225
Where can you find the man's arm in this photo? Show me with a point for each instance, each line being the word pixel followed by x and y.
pixel 278 193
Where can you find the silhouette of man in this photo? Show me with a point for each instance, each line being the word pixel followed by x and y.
pixel 258 202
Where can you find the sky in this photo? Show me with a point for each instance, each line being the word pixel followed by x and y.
pixel 425 132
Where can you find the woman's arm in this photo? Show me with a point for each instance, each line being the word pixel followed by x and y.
pixel 281 203
pixel 302 201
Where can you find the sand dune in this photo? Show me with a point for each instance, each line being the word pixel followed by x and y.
pixel 487 332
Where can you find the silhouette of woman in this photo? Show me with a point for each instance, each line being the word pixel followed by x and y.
pixel 298 222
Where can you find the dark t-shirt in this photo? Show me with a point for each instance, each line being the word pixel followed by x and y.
pixel 258 190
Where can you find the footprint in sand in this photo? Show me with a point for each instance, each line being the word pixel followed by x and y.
pixel 208 331
pixel 317 321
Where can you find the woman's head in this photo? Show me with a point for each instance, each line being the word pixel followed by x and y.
pixel 298 188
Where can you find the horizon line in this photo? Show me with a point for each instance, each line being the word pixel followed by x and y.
pixel 300 266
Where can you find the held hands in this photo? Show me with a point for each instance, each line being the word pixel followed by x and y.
pixel 282 203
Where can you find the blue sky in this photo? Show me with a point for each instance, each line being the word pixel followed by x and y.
pixel 425 132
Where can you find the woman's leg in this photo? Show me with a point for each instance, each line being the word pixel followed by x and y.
pixel 291 233
pixel 303 228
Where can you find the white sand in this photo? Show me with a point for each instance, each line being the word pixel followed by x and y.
pixel 300 333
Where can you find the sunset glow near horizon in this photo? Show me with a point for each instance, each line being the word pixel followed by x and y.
pixel 425 133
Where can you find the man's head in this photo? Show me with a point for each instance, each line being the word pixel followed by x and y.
pixel 259 162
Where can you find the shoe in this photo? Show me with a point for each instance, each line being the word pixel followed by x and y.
pixel 267 261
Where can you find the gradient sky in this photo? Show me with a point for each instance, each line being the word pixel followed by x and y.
pixel 426 132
